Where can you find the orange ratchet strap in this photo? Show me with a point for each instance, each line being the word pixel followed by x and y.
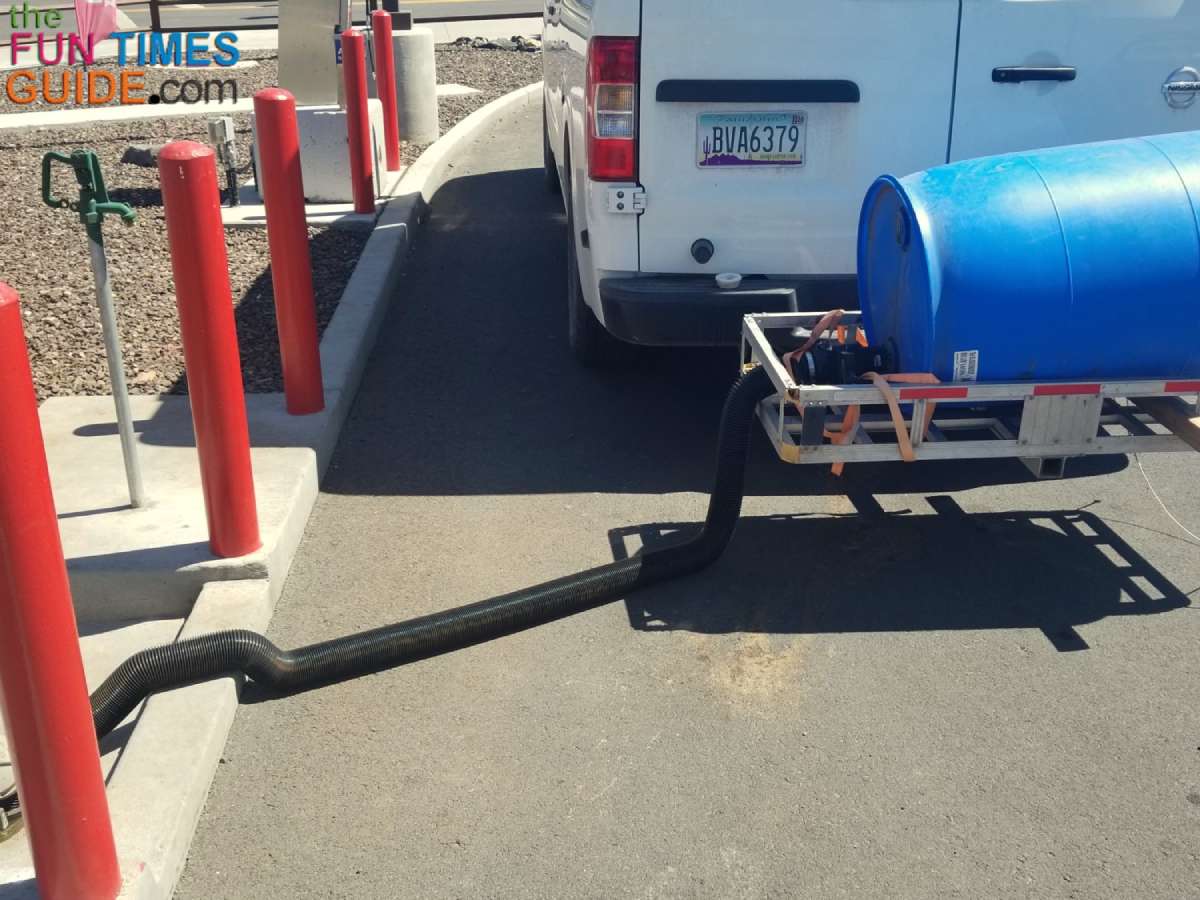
pixel 884 384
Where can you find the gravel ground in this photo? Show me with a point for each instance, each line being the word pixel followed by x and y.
pixel 45 256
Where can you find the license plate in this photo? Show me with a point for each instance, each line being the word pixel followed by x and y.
pixel 730 140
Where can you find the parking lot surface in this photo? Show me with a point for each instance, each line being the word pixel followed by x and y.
pixel 915 681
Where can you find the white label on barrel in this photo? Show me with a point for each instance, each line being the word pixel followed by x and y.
pixel 966 365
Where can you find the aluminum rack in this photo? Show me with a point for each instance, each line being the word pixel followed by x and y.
pixel 1042 423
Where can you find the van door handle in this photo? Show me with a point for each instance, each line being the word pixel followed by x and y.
pixel 1017 74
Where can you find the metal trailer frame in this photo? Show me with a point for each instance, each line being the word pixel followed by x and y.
pixel 1042 423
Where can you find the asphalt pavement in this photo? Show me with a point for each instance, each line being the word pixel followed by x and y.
pixel 941 680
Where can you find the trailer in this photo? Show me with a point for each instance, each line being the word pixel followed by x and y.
pixel 1042 423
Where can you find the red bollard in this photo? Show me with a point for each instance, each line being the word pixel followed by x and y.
pixel 46 709
pixel 385 85
pixel 188 173
pixel 362 167
pixel 287 234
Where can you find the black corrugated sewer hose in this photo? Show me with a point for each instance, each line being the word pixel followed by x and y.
pixel 278 671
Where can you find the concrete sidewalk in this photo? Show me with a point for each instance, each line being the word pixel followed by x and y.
pixel 914 682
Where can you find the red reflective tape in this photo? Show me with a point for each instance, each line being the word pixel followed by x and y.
pixel 933 393
pixel 1056 390
pixel 1181 387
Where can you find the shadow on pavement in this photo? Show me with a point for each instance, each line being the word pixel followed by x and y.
pixel 472 389
pixel 874 571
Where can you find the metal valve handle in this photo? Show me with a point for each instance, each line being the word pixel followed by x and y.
pixel 93 203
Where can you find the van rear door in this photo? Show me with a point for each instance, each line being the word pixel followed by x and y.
pixel 763 124
pixel 1039 73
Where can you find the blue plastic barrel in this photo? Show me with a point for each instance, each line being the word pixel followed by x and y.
pixel 1072 262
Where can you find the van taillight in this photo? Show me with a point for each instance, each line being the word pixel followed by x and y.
pixel 612 81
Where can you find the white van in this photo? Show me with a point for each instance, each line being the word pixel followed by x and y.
pixel 697 137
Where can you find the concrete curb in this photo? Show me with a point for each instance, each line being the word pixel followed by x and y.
pixel 430 172
pixel 349 337
pixel 157 790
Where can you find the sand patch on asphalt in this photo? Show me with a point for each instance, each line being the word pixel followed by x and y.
pixel 752 671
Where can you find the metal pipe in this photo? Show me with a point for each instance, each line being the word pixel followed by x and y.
pixel 93 205
pixel 116 371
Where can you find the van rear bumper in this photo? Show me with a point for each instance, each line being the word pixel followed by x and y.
pixel 674 310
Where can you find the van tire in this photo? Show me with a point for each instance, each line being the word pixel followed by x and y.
pixel 550 168
pixel 590 342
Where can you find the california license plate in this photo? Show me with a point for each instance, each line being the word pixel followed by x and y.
pixel 730 140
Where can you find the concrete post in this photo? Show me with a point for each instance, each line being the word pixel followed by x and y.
pixel 416 85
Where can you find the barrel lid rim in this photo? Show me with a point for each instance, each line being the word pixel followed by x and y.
pixel 918 245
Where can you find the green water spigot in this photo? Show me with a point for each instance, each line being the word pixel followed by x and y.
pixel 93 203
